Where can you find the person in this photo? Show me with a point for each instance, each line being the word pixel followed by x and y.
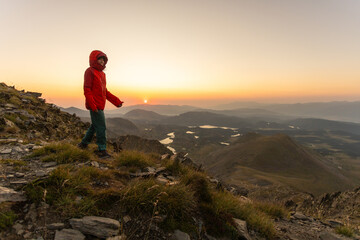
pixel 96 95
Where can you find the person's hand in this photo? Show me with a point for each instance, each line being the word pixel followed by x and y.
pixel 95 110
pixel 120 105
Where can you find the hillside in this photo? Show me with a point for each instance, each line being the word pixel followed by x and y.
pixel 52 190
pixel 144 115
pixel 169 110
pixel 24 115
pixel 323 124
pixel 337 110
pixel 274 159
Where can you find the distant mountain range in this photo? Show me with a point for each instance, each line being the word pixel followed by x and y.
pixel 339 111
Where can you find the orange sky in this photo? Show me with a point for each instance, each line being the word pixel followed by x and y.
pixel 199 52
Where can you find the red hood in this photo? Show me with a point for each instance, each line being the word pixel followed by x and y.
pixel 94 55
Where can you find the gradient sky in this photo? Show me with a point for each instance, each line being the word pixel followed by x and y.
pixel 185 52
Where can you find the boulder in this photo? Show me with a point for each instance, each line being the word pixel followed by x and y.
pixel 329 236
pixel 96 226
pixel 301 216
pixel 241 228
pixel 10 195
pixel 69 234
pixel 179 235
pixel 121 237
pixel 55 226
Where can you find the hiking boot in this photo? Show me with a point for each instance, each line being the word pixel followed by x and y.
pixel 82 145
pixel 103 154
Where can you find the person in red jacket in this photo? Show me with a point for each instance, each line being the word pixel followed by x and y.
pixel 96 94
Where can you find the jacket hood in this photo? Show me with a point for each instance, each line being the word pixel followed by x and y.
pixel 94 56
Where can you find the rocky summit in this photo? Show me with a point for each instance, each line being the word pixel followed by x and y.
pixel 50 189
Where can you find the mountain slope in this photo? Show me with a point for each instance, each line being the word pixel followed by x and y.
pixel 26 115
pixel 323 124
pixel 274 159
pixel 143 115
pixel 160 109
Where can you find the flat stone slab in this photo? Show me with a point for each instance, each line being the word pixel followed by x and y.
pixel 55 226
pixel 179 235
pixel 10 195
pixel 96 226
pixel 6 151
pixel 241 227
pixel 69 234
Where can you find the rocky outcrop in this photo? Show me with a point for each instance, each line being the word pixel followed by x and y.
pixel 10 195
pixel 96 226
pixel 26 115
pixel 130 142
pixel 335 207
pixel 241 227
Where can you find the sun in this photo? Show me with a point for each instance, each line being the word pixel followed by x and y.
pixel 145 101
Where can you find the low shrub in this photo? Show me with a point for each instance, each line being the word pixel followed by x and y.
pixel 7 216
pixel 345 231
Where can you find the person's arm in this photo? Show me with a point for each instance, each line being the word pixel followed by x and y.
pixel 113 99
pixel 88 82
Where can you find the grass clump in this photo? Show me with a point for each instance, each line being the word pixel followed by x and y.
pixel 175 167
pixel 346 231
pixel 14 162
pixel 67 189
pixel 226 205
pixel 7 217
pixel 11 117
pixel 134 159
pixel 176 202
pixel 61 153
pixel 271 209
pixel 198 182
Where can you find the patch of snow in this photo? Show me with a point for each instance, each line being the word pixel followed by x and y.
pixel 208 126
pixel 171 135
pixel 171 149
pixel 191 126
pixel 196 137
pixel 234 129
pixel 166 141
pixel 190 132
pixel 290 126
pixel 225 143
pixel 236 135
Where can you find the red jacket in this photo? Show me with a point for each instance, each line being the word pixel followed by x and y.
pixel 95 84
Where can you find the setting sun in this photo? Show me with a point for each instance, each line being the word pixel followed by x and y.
pixel 145 101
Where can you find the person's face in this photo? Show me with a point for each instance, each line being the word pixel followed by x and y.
pixel 101 61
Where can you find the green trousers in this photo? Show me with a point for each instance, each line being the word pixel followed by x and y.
pixel 97 126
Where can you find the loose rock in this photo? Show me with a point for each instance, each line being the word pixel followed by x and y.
pixel 96 226
pixel 69 234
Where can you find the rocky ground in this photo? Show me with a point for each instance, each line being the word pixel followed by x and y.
pixel 27 124
pixel 36 223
